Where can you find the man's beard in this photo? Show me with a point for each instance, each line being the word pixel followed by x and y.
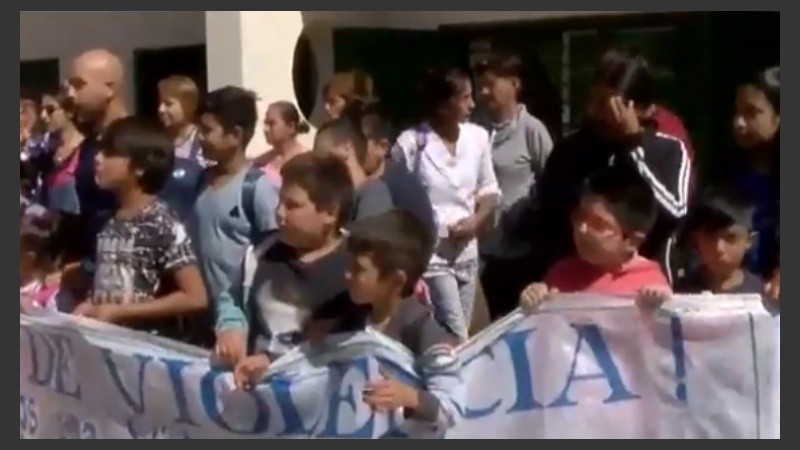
pixel 87 123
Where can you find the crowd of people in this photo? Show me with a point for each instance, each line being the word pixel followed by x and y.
pixel 170 229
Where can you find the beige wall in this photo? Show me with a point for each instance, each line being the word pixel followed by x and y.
pixel 62 35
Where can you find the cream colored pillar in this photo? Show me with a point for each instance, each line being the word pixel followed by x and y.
pixel 255 50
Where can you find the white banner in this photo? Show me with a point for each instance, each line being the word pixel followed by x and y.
pixel 586 367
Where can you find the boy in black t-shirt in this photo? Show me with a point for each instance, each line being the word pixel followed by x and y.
pixel 387 256
pixel 145 271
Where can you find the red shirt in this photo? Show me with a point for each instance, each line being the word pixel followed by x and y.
pixel 573 275
pixel 668 123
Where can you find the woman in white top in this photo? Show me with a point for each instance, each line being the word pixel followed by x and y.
pixel 453 160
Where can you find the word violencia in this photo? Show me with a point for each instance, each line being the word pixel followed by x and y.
pixel 539 369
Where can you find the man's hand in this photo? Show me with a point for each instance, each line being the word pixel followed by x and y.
pixel 388 395
pixel 231 347
pixel 465 229
pixel 250 371
pixel 534 296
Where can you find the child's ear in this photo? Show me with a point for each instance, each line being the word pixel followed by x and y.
pixel 331 215
pixel 400 279
pixel 238 133
pixel 517 83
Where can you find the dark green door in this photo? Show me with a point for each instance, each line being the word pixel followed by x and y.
pixel 396 59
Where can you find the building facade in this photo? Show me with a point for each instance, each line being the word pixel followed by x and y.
pixel 287 55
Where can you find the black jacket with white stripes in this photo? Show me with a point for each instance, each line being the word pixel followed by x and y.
pixel 662 160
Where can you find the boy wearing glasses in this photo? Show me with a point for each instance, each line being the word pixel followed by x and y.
pixel 615 214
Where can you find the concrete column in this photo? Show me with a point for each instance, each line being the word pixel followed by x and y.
pixel 255 50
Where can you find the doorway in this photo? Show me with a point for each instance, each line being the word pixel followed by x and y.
pixel 153 65
pixel 39 76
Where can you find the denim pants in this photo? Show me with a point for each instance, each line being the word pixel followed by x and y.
pixel 452 291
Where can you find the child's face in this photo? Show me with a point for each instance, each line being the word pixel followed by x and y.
pixel 302 225
pixel 599 238
pixel 755 121
pixel 217 144
pixel 723 251
pixel 366 284
pixel 113 172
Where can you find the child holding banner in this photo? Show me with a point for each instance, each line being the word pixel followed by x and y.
pixel 615 214
pixel 296 275
pixel 388 255
pixel 720 228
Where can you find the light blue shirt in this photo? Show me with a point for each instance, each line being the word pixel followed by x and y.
pixel 221 230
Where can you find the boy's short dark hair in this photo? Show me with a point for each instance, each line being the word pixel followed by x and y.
pixel 501 64
pixel 233 107
pixel 629 73
pixel 395 240
pixel 628 195
pixel 374 118
pixel 376 123
pixel 148 147
pixel 326 180
pixel 720 207
pixel 345 130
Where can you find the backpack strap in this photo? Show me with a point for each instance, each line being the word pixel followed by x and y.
pixel 420 142
pixel 252 256
pixel 248 199
pixel 249 202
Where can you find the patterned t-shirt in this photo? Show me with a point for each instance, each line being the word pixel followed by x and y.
pixel 135 256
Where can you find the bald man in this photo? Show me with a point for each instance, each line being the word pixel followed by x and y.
pixel 95 85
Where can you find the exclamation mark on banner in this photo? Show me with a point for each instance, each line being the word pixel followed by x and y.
pixel 680 359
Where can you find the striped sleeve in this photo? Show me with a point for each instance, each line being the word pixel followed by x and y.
pixel 669 173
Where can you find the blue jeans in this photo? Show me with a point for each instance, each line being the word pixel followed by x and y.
pixel 453 296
